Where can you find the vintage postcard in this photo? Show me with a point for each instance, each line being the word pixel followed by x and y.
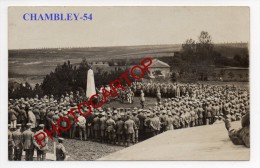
pixel 128 83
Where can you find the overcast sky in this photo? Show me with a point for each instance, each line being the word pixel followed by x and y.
pixel 121 26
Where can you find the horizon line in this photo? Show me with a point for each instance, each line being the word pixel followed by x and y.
pixel 45 48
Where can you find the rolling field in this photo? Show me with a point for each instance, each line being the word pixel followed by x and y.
pixel 33 64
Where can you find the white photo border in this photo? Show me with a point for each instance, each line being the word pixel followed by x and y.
pixel 254 84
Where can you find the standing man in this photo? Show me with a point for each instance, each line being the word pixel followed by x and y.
pixel 158 96
pixel 82 126
pixel 28 142
pixel 12 116
pixel 41 151
pixel 119 130
pixel 36 113
pixel 169 122
pixel 96 123
pixel 129 129
pixel 137 124
pixel 10 143
pixel 142 99
pixel 155 123
pixel 18 142
pixel 31 119
pixel 60 150
pixel 110 123
pixel 103 126
pixel 23 117
pixel 89 123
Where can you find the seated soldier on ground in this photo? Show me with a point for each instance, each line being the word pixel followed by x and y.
pixel 240 136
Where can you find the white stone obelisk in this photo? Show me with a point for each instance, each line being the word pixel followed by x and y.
pixel 91 89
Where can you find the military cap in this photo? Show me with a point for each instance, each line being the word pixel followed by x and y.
pixel 134 112
pixel 115 112
pixel 61 139
pixel 103 113
pixel 41 125
pixel 228 116
pixel 29 124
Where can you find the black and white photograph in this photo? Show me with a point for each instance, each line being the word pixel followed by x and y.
pixel 128 83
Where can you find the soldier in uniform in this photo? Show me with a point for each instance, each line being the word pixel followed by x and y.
pixel 36 113
pixel 169 122
pixel 110 123
pixel 193 114
pixel 18 142
pixel 10 143
pixel 23 117
pixel 142 99
pixel 41 151
pixel 119 130
pixel 176 121
pixel 60 150
pixel 141 118
pixel 12 116
pixel 158 96
pixel 208 114
pixel 89 124
pixel 240 136
pixel 103 120
pixel 200 114
pixel 82 126
pixel 156 123
pixel 163 121
pixel 31 119
pixel 129 129
pixel 115 115
pixel 137 124
pixel 28 146
pixel 96 123
pixel 73 126
pixel 43 114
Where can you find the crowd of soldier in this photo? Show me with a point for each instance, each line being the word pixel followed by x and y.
pixel 198 105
